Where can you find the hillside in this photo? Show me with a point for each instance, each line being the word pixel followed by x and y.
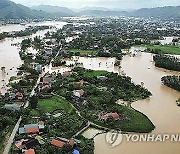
pixel 11 10
pixel 158 12
pixel 102 13
pixel 53 9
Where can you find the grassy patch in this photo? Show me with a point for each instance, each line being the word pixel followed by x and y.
pixel 94 73
pixel 164 49
pixel 49 105
pixel 83 52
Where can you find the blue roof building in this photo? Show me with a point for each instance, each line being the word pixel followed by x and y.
pixel 21 130
pixel 12 107
pixel 31 126
pixel 75 152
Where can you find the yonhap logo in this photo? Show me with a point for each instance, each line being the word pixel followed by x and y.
pixel 114 138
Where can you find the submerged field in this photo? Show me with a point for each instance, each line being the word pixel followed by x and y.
pixel 163 49
pixel 83 52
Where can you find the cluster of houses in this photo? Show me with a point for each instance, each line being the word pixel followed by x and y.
pixel 49 45
pixel 60 142
pixel 15 100
pixel 47 81
pixel 28 144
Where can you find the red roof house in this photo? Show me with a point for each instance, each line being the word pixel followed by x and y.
pixel 57 143
pixel 108 115
pixel 30 151
pixel 32 130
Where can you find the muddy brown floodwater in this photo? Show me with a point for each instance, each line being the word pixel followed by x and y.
pixel 161 109
pixel 9 55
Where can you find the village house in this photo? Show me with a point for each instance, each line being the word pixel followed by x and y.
pixel 38 68
pixel 66 74
pixel 32 128
pixel 12 107
pixel 19 95
pixel 12 95
pixel 47 82
pixel 78 93
pixel 81 83
pixel 57 143
pixel 60 142
pixel 102 78
pixel 114 115
pixel 103 88
pixel 30 151
pixel 76 152
pixel 29 143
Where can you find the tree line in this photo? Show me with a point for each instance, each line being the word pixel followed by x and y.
pixel 172 82
pixel 167 62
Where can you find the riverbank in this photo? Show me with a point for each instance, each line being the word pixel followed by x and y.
pixel 160 108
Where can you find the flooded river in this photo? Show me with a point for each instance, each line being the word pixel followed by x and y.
pixel 161 107
pixel 9 55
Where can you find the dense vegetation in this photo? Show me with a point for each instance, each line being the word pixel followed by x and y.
pixel 172 82
pixel 28 31
pixel 106 46
pixel 7 121
pixel 97 101
pixel 167 62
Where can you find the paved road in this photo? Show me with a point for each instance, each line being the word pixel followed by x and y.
pixel 10 141
pixel 15 130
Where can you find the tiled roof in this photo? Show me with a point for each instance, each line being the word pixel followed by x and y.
pixel 30 151
pixel 32 130
pixel 57 143
pixel 71 142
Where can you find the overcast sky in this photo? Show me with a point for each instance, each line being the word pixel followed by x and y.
pixel 122 4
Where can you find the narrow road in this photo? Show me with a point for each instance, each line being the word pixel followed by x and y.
pixel 82 130
pixel 15 130
pixel 10 141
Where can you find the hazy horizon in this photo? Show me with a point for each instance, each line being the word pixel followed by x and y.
pixel 111 4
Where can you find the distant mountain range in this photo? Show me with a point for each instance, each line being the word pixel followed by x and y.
pixel 103 13
pixel 54 10
pixel 158 12
pixel 11 10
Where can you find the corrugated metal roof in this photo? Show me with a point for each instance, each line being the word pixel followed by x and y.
pixel 31 126
pixel 21 131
